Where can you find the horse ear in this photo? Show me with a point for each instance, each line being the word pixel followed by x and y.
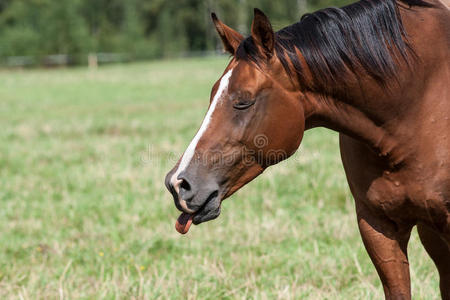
pixel 262 33
pixel 231 39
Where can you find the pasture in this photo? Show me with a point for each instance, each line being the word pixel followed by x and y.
pixel 84 212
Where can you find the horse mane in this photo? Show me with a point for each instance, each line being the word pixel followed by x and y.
pixel 366 36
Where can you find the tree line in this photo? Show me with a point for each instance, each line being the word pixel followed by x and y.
pixel 140 28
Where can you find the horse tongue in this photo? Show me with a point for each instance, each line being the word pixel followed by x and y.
pixel 183 223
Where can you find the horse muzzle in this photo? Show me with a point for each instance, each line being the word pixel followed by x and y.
pixel 197 198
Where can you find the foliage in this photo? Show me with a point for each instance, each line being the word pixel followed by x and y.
pixel 142 28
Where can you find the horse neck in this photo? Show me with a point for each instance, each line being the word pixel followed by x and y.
pixel 357 106
pixel 361 114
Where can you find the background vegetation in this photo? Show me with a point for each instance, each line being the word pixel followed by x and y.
pixel 139 28
pixel 85 214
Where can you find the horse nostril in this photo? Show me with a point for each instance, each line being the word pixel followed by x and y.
pixel 186 190
pixel 185 185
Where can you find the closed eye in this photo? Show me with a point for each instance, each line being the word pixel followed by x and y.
pixel 243 104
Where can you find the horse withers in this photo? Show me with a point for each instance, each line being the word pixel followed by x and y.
pixel 378 72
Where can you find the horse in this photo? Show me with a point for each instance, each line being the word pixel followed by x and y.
pixel 377 72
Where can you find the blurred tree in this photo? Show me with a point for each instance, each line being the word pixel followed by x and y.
pixel 141 28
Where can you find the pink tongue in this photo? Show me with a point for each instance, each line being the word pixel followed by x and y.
pixel 183 223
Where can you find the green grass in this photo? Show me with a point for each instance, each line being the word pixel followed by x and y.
pixel 84 212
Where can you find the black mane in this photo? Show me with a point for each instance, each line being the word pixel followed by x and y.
pixel 364 36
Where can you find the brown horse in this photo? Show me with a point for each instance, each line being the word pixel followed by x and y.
pixel 375 71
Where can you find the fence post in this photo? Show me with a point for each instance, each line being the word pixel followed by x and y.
pixel 92 61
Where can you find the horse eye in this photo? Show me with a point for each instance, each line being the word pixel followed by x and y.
pixel 243 104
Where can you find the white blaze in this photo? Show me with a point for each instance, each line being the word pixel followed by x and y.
pixel 189 153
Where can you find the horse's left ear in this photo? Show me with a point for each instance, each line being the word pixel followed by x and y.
pixel 262 33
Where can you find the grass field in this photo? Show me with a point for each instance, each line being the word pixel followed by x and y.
pixel 85 215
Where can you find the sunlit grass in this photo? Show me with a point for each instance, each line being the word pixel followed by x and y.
pixel 84 212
